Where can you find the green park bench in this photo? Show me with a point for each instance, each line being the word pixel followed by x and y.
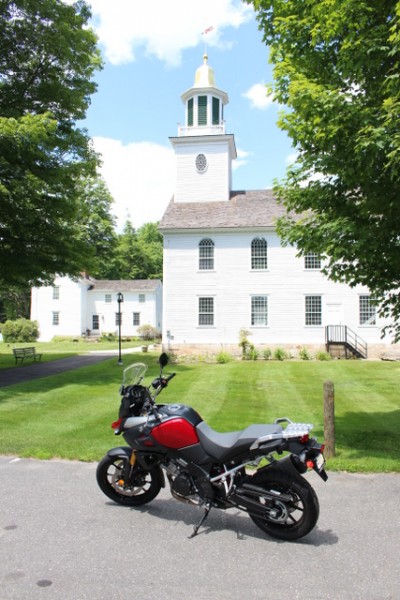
pixel 21 353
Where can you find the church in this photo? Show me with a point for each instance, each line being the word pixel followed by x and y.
pixel 225 269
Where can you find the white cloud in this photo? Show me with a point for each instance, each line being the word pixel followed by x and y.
pixel 163 29
pixel 241 159
pixel 140 177
pixel 291 158
pixel 258 96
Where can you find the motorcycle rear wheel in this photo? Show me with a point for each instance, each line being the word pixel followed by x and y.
pixel 142 487
pixel 288 520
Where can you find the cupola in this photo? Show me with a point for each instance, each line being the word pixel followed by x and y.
pixel 204 104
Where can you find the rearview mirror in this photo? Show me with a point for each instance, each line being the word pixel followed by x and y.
pixel 163 360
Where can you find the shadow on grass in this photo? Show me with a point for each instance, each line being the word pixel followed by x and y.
pixel 374 434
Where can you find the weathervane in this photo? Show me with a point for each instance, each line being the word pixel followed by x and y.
pixel 208 30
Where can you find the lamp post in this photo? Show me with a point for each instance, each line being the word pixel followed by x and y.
pixel 120 298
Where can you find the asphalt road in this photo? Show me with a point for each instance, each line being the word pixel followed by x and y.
pixel 62 539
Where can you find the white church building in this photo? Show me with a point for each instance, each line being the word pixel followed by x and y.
pixel 225 268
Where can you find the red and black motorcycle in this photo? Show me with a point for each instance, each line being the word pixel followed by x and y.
pixel 208 468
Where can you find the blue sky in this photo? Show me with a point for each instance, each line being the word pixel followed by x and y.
pixel 151 52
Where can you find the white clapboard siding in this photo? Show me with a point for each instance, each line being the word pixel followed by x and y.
pixel 232 283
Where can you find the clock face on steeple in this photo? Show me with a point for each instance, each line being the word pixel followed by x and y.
pixel 201 163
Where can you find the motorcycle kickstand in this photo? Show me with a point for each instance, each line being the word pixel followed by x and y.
pixel 200 523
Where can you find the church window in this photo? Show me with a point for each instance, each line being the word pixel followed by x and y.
pixel 367 310
pixel 206 311
pixel 313 310
pixel 215 111
pixel 312 261
pixel 259 254
pixel 206 255
pixel 259 310
pixel 190 113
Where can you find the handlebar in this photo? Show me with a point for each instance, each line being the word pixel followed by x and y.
pixel 167 379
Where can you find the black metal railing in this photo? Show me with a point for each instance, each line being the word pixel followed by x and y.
pixel 343 335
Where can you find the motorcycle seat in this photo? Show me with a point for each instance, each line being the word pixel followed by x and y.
pixel 224 445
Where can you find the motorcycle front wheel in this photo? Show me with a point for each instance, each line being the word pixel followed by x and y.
pixel 141 487
pixel 293 512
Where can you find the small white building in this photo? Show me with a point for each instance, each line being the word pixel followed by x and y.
pixel 88 306
pixel 225 268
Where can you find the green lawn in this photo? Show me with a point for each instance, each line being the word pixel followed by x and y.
pixel 69 415
pixel 55 350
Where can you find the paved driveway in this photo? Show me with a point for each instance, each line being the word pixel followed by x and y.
pixel 61 539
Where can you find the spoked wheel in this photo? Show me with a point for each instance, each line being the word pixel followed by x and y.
pixel 293 510
pixel 141 487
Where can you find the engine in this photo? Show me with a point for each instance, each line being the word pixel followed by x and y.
pixel 182 485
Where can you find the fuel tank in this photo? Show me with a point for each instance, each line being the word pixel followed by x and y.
pixel 178 426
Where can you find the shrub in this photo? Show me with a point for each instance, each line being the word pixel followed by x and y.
pixel 21 330
pixel 244 343
pixel 108 337
pixel 304 354
pixel 253 353
pixel 323 356
pixel 280 354
pixel 223 357
pixel 148 332
pixel 267 353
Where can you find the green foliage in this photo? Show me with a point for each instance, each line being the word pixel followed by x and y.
pixel 137 255
pixel 253 353
pixel 48 56
pixel 280 354
pixel 324 356
pixel 21 330
pixel 267 353
pixel 148 332
pixel 336 69
pixel 244 343
pixel 223 357
pixel 304 354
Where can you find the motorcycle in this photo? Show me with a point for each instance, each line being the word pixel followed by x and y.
pixel 203 467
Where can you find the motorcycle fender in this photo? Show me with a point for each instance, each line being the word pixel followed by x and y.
pixel 126 452
pixel 285 464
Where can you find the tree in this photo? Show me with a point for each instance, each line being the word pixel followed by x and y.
pixel 336 68
pixel 138 254
pixel 48 56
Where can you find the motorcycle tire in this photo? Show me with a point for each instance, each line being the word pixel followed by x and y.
pixel 288 520
pixel 142 487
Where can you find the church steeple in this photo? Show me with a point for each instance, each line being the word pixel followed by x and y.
pixel 204 104
pixel 204 152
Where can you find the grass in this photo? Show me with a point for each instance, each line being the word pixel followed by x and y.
pixel 55 350
pixel 69 415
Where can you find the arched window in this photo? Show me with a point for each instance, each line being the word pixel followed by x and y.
pixel 206 255
pixel 259 254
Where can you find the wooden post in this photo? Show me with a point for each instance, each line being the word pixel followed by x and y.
pixel 329 419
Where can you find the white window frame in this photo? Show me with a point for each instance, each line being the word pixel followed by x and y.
pixel 55 318
pixel 312 261
pixel 259 310
pixel 259 254
pixel 206 311
pixel 313 310
pixel 366 310
pixel 107 298
pixel 206 255
pixel 136 317
pixel 56 292
pixel 142 298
